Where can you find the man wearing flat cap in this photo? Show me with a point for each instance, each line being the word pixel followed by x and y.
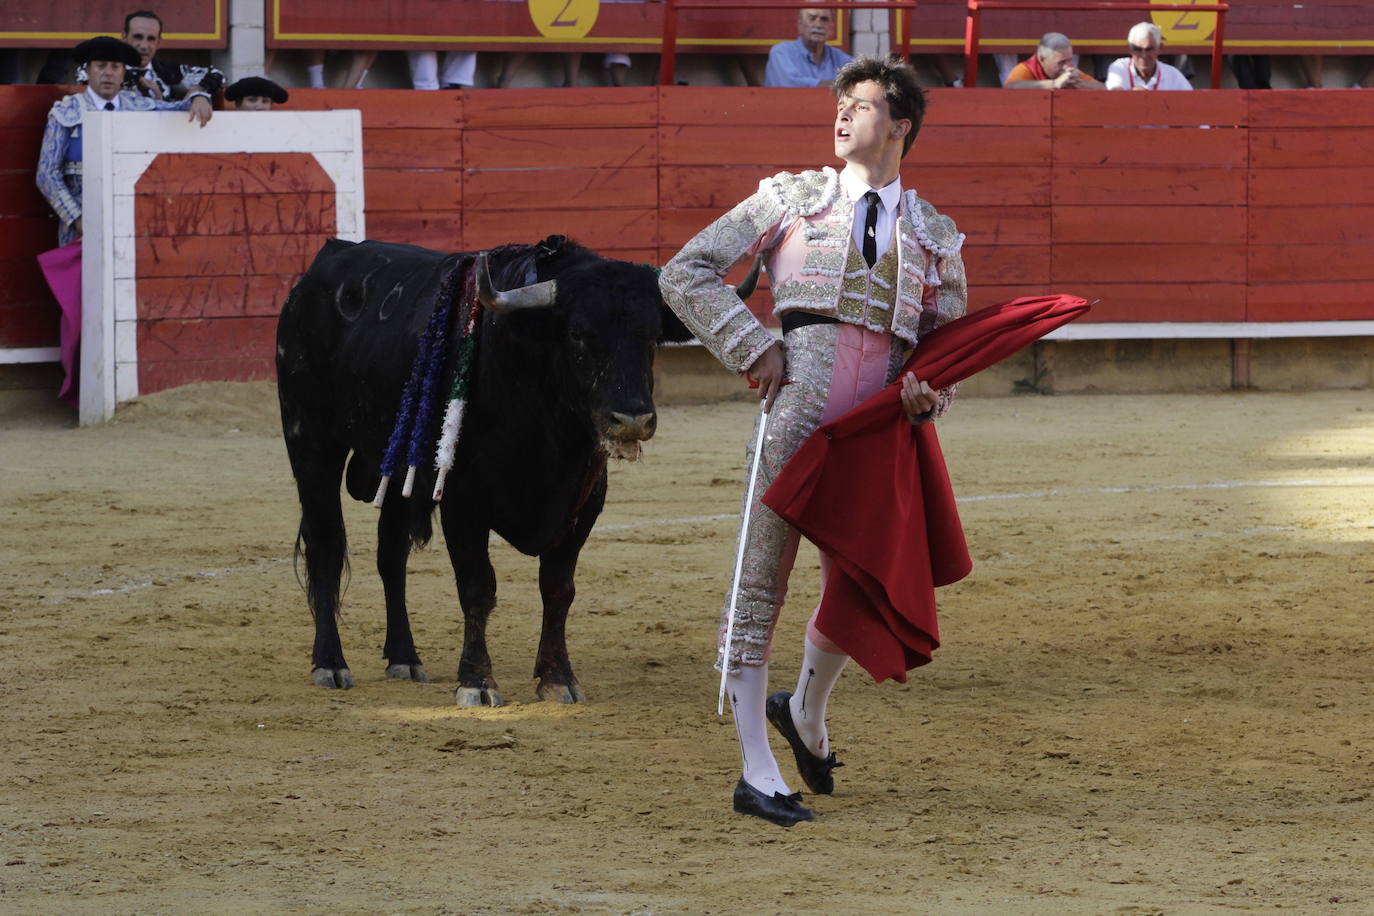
pixel 106 64
pixel 255 93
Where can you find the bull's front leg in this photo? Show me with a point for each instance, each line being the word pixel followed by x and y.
pixel 557 570
pixel 467 551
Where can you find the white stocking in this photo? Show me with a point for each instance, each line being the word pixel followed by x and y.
pixel 747 692
pixel 819 672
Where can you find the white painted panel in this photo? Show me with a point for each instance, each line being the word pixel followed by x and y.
pixel 126 381
pixel 128 167
pixel 238 132
pixel 125 299
pixel 97 397
pixel 339 167
pixel 122 254
pixel 11 355
pixel 126 341
pixel 123 215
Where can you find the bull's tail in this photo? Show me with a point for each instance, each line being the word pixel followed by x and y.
pixel 340 586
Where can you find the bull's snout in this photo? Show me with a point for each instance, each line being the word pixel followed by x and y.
pixel 627 427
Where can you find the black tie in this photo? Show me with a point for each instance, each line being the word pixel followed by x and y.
pixel 109 106
pixel 871 227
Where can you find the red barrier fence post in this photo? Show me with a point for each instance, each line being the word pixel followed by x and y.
pixel 973 25
pixel 668 60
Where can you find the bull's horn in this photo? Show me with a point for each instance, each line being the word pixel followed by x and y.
pixel 746 289
pixel 534 296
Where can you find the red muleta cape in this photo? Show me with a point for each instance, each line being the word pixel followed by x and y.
pixel 871 490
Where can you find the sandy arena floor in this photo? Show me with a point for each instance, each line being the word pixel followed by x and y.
pixel 1154 696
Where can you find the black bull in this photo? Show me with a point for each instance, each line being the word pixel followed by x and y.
pixel 553 391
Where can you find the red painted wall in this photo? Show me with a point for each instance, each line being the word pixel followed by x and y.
pixel 1266 214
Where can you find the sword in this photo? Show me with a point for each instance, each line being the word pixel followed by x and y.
pixel 739 556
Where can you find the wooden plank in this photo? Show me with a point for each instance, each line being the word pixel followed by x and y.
pixel 572 148
pixel 19 196
pixel 1149 263
pixel 19 147
pixel 407 191
pixel 777 148
pixel 386 108
pixel 1310 302
pixel 766 107
pixel 986 107
pixel 440 231
pixel 233 173
pixel 972 145
pixel 29 105
pixel 1320 263
pixel 1137 109
pixel 1114 146
pixel 212 297
pixel 195 339
pixel 599 107
pixel 596 229
pixel 1311 109
pixel 1160 301
pixel 22 283
pixel 227 255
pixel 1002 225
pixel 225 214
pixel 1311 186
pixel 1305 147
pixel 1007 265
pixel 1134 224
pixel 550 190
pixel 159 375
pixel 1174 185
pixel 29 325
pixel 676 226
pixel 745 107
pixel 981 296
pixel 26 236
pixel 980 186
pixel 1287 225
pixel 719 188
pixel 413 148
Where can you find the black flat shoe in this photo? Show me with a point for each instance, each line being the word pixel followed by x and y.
pixel 783 810
pixel 815 771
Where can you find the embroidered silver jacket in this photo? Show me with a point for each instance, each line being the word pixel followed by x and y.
pixel 801 223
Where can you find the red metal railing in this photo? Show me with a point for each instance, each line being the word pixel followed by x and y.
pixel 668 64
pixel 973 25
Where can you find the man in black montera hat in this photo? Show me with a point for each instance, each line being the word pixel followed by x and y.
pixel 106 62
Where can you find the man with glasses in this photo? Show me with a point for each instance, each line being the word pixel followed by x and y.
pixel 1143 70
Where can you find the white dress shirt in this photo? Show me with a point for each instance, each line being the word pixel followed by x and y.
pixel 1121 75
pixel 98 103
pixel 855 188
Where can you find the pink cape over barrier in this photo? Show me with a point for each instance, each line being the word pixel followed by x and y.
pixel 62 269
pixel 872 491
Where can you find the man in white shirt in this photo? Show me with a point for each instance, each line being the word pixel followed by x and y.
pixel 1143 70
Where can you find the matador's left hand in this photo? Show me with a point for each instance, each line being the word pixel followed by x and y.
pixel 201 110
pixel 918 398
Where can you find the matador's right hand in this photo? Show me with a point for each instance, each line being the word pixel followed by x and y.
pixel 768 371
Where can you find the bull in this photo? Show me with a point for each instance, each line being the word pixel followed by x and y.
pixel 562 380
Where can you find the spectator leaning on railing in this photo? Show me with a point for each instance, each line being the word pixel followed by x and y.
pixel 1050 67
pixel 106 64
pixel 158 79
pixel 1143 70
pixel 807 61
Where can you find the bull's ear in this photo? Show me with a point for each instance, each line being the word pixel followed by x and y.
pixel 674 331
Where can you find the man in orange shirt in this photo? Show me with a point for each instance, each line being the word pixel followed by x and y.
pixel 1050 67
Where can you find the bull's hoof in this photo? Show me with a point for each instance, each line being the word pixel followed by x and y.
pixel 407 673
pixel 333 678
pixel 561 693
pixel 477 696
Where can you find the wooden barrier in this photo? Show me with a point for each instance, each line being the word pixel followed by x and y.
pixel 1199 208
